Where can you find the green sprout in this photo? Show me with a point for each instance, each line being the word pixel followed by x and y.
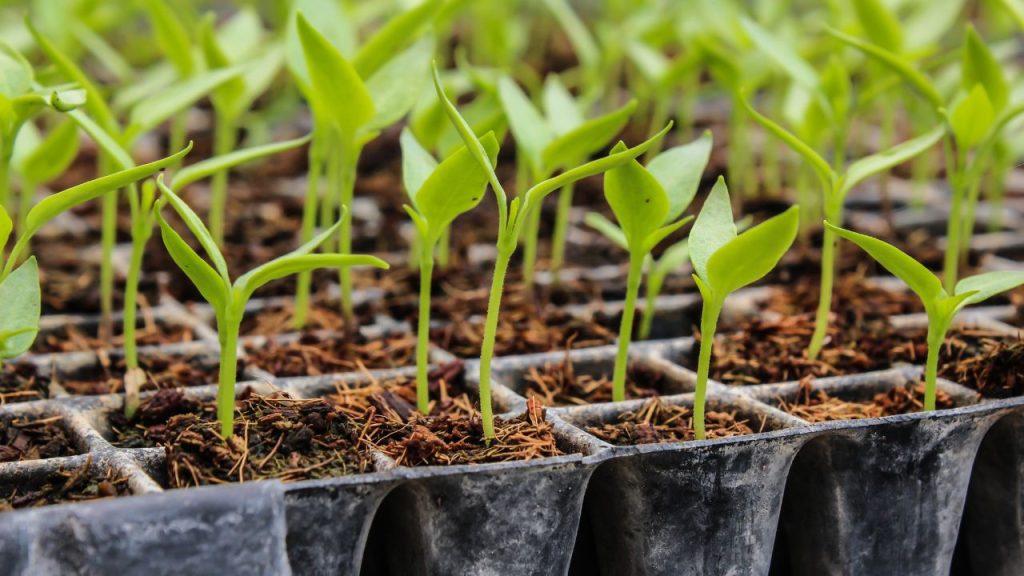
pixel 648 203
pixel 723 262
pixel 550 142
pixel 439 193
pixel 512 217
pixel 228 299
pixel 352 101
pixel 940 305
pixel 19 291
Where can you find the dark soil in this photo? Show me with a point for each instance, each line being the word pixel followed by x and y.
pixel 855 299
pixel 314 354
pixel 557 384
pixel 162 371
pixel 278 319
pixel 66 486
pixel 658 422
pixel 818 406
pixel 21 382
pixel 72 287
pixel 152 416
pixel 275 437
pixel 396 397
pixel 991 363
pixel 33 438
pixel 74 338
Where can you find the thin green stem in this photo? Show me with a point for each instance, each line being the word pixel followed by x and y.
pixel 178 132
pixel 224 137
pixel 531 231
pixel 309 212
pixel 636 270
pixel 654 283
pixel 973 174
pixel 833 213
pixel 505 250
pixel 108 238
pixel 444 248
pixel 5 182
pixel 659 117
pixel 423 328
pixel 558 240
pixel 348 183
pixel 28 191
pixel 954 224
pixel 936 335
pixel 228 327
pixel 708 323
pixel 140 236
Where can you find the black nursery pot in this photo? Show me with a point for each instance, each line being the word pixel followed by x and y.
pixel 881 495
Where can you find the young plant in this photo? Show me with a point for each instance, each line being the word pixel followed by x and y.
pixel 511 219
pixel 439 193
pixel 724 262
pixel 836 183
pixel 940 305
pixel 351 101
pixel 19 291
pixel 43 160
pixel 228 298
pixel 554 141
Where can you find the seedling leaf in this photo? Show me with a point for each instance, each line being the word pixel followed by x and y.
pixel 417 163
pixel 882 161
pixel 20 294
pixel 53 155
pixel 390 39
pixel 563 114
pixel 397 86
pixel 972 118
pixel 589 137
pixel 979 66
pixel 750 256
pixel 637 200
pixel 210 166
pixel 455 187
pixel 598 222
pixel 154 110
pixel 713 229
pixel 817 162
pixel 984 286
pixel 289 264
pixel 196 226
pixel 880 24
pixel 210 284
pixel 528 125
pixel 679 172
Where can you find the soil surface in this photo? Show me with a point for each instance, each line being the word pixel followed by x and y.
pixel 557 384
pixel 21 382
pixel 658 422
pixel 150 419
pixel 991 363
pixel 314 354
pixel 278 319
pixel 68 485
pixel 33 438
pixel 818 406
pixel 162 371
pixel 855 299
pixel 74 338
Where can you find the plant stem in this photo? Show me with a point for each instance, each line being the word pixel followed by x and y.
pixel 659 117
pixel 636 269
pixel 532 231
pixel 178 132
pixel 224 134
pixel 954 224
pixel 444 248
pixel 973 175
pixel 109 238
pixel 490 333
pixel 140 236
pixel 349 168
pixel 654 283
pixel 5 181
pixel 228 328
pixel 309 211
pixel 561 231
pixel 423 328
pixel 936 334
pixel 833 213
pixel 28 190
pixel 708 322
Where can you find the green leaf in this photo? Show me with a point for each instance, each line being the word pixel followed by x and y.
pixel 53 155
pixel 897 64
pixel 598 222
pixel 213 287
pixel 399 84
pixel 455 187
pixel 417 163
pixel 674 257
pixel 637 200
pixel 882 161
pixel 196 226
pixel 753 254
pixel 931 23
pixel 817 162
pixel 530 129
pixel 103 139
pixel 917 277
pixel 229 97
pixel 290 264
pixel 972 118
pixel 880 24
pixel 679 171
pixel 579 143
pixel 393 36
pixel 15 72
pixel 1016 11
pixel 338 93
pixel 19 324
pixel 987 285
pixel 210 166
pixel 835 84
pixel 650 62
pixel 560 108
pixel 331 21
pixel 539 191
pixel 788 59
pixel 713 229
pixel 979 66
pixel 55 204
pixel 6 225
pixel 665 231
pixel 153 111
pixel 171 36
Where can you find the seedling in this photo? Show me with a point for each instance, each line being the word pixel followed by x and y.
pixel 228 298
pixel 648 203
pixel 836 183
pixel 554 141
pixel 439 193
pixel 45 159
pixel 351 102
pixel 511 219
pixel 724 262
pixel 940 305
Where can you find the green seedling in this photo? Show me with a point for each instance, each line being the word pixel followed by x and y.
pixel 648 204
pixel 172 36
pixel 940 305
pixel 974 118
pixel 512 217
pixel 228 299
pixel 836 183
pixel 438 193
pixel 553 141
pixel 724 262
pixel 351 101
pixel 143 219
pixel 45 159
pixel 661 78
